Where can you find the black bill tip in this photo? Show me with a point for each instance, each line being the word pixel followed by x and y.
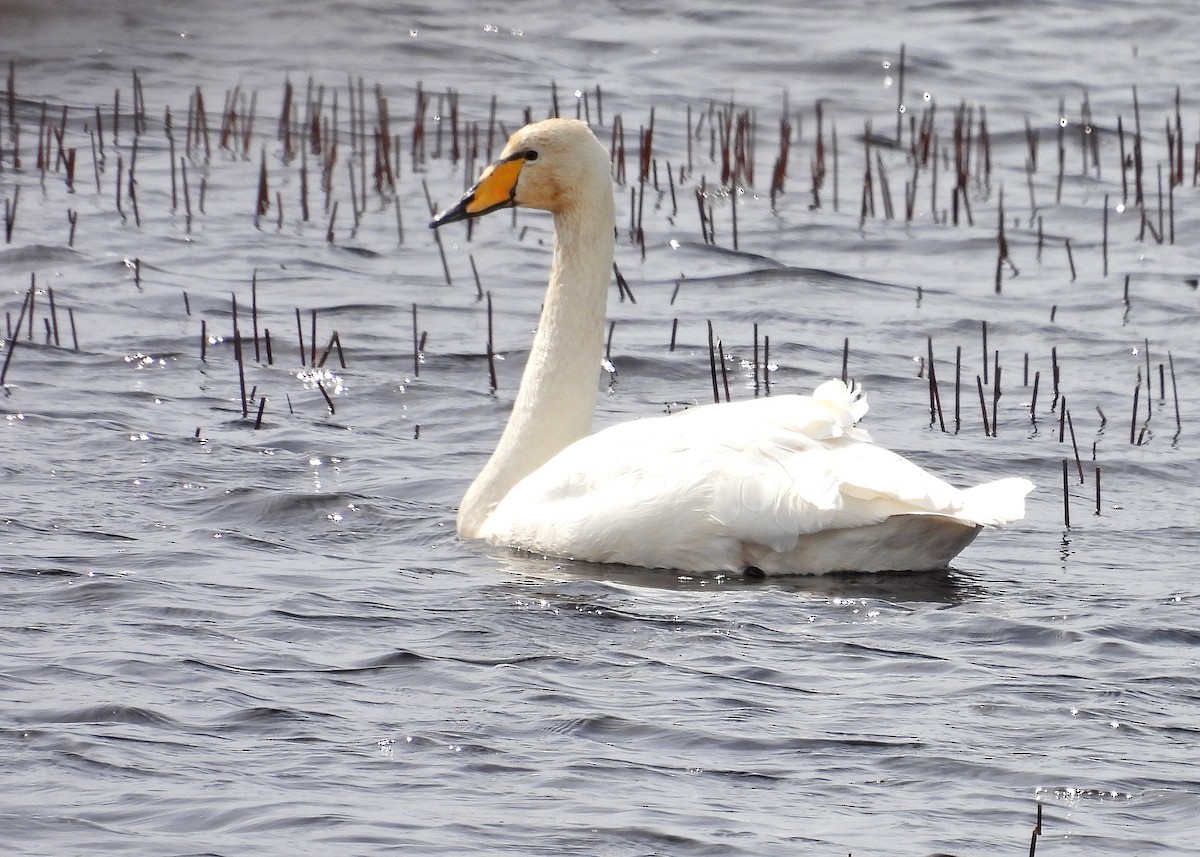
pixel 453 215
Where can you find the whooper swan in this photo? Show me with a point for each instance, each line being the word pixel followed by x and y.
pixel 785 484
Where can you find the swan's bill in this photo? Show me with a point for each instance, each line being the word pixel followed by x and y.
pixel 496 188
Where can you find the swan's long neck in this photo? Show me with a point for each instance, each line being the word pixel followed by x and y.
pixel 557 396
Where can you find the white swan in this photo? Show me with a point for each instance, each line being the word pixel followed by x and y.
pixel 785 484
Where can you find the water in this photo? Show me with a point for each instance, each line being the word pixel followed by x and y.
pixel 220 640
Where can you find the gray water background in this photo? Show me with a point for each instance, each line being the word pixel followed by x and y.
pixel 217 640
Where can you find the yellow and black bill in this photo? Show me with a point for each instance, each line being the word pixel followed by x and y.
pixel 496 189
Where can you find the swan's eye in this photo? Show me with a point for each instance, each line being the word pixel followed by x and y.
pixel 531 155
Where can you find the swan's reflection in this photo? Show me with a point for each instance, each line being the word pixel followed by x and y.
pixel 947 587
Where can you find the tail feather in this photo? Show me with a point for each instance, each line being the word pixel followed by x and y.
pixel 996 503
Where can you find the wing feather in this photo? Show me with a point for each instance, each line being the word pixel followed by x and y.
pixel 693 490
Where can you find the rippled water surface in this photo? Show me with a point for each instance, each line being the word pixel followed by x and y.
pixel 223 639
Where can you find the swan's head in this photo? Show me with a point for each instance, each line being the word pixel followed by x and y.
pixel 556 165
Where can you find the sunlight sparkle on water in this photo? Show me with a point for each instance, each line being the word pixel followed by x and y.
pixel 312 378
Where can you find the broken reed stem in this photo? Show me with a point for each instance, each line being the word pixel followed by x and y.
pixel 1002 244
pixel 756 382
pixel 26 305
pixel 1149 383
pixel 1054 375
pixel 1159 235
pixel 712 363
pixel 700 207
pixel 623 286
pixel 137 217
pixel 10 214
pixel 328 401
pixel 53 315
pixel 767 365
pixel 724 370
pixel 312 340
pixel 1062 124
pixel 187 198
pixel 1171 211
pixel 32 304
pixel 337 341
pixel 437 239
pixel 733 207
pixel 237 350
pixel 833 145
pixel 334 341
pixel 300 335
pixel 327 350
pixel 332 220
pixel 1133 421
pixel 983 333
pixel 987 431
pixel 996 396
pixel 253 313
pixel 120 176
pixel 957 387
pixel 1074 445
pixel 416 354
pixel 1174 393
pixel 491 353
pixel 935 399
pixel 475 274
pixel 1104 238
pixel 1066 494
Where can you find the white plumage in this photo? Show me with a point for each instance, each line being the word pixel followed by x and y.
pixel 785 484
